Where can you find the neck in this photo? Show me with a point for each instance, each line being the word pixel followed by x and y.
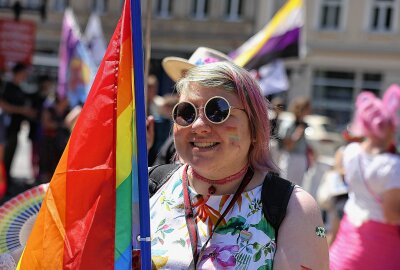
pixel 226 185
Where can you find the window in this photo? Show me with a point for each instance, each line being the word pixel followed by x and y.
pixel 382 15
pixel 372 82
pixel 330 14
pixel 60 5
pixel 334 92
pixel 99 6
pixel 164 8
pixel 200 9
pixel 234 9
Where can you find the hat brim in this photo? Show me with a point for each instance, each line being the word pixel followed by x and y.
pixel 176 67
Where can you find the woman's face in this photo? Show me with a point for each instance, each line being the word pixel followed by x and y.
pixel 214 150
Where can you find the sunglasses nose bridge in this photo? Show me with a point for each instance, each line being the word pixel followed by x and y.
pixel 201 116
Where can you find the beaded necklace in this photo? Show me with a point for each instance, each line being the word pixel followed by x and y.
pixel 212 189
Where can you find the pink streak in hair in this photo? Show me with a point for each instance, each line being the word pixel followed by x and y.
pixel 256 107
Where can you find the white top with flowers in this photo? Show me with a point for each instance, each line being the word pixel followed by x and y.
pixel 243 240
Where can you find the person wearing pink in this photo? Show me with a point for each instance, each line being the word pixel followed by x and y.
pixel 369 233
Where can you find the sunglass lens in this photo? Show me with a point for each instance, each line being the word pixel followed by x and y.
pixel 217 110
pixel 184 114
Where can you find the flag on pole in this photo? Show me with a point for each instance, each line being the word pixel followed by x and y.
pixel 278 39
pixel 85 221
pixel 76 70
pixel 94 38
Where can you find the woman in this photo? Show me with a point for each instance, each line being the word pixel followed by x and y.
pixel 221 135
pixel 296 155
pixel 369 233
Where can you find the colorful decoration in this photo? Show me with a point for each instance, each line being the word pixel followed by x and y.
pixel 17 217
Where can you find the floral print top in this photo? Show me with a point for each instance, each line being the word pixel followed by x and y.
pixel 243 240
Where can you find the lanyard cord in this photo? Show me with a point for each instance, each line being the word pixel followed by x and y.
pixel 190 219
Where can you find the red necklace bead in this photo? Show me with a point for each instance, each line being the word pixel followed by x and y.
pixel 212 190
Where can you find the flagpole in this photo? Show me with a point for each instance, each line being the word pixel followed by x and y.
pixel 147 48
pixel 144 209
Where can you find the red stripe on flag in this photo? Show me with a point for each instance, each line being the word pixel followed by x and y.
pixel 90 191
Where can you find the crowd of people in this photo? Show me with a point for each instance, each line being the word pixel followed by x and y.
pixel 49 127
pixel 226 141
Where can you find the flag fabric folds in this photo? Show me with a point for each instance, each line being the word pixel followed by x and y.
pixel 272 78
pixel 85 221
pixel 278 39
pixel 76 69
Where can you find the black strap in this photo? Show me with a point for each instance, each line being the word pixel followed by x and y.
pixel 159 175
pixel 275 195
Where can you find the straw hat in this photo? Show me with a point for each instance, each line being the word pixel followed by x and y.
pixel 176 67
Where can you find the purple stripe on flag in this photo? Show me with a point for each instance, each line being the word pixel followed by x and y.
pixel 279 43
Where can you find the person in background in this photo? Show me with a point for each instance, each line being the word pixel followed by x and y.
pixel 37 100
pixel 162 122
pixel 55 136
pixel 295 156
pixel 16 104
pixel 332 192
pixel 368 236
pixel 277 105
pixel 221 133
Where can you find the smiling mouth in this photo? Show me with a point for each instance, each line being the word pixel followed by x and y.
pixel 204 145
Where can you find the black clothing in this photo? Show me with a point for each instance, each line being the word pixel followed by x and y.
pixel 13 95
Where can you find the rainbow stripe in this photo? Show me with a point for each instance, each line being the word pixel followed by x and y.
pixel 278 38
pixel 126 148
pixel 85 221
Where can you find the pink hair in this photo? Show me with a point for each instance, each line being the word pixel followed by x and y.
pixel 374 115
pixel 256 107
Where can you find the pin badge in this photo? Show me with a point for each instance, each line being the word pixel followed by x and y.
pixel 320 231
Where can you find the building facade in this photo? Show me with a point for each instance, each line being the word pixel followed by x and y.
pixel 346 46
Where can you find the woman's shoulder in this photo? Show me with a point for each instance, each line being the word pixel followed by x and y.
pixel 302 203
pixel 302 224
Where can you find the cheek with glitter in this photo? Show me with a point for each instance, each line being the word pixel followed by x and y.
pixel 233 134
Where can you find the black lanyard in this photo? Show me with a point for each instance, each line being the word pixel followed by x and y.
pixel 190 219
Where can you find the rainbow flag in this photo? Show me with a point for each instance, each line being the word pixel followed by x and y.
pixel 85 221
pixel 278 39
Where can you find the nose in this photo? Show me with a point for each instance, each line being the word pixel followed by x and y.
pixel 201 124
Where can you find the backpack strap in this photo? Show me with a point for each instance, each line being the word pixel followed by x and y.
pixel 159 175
pixel 275 195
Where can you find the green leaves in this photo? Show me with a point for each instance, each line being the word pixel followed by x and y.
pixel 233 226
